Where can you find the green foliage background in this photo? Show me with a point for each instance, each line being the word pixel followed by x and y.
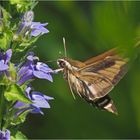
pixel 90 28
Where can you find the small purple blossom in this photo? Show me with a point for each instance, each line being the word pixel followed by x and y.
pixel 38 29
pixel 28 27
pixel 5 135
pixel 38 99
pixel 4 59
pixel 33 68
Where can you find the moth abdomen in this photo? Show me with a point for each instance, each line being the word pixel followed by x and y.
pixel 102 102
pixel 106 103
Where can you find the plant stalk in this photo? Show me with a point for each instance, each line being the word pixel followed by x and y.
pixel 2 105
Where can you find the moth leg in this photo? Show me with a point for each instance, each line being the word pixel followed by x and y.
pixel 71 87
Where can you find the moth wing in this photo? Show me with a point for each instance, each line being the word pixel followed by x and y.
pixel 90 86
pixel 102 56
pixel 112 66
pixel 95 86
pixel 99 75
pixel 102 73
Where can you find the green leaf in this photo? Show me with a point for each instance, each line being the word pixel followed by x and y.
pixel 19 136
pixel 26 44
pixel 23 5
pixel 29 42
pixel 5 40
pixel 5 31
pixel 20 119
pixel 15 93
pixel 2 81
pixel 6 16
pixel 6 81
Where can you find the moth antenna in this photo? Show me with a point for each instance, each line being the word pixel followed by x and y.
pixel 70 87
pixel 49 61
pixel 64 43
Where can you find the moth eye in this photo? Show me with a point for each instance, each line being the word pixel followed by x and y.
pixel 62 64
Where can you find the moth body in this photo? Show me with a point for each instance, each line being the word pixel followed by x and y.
pixel 95 78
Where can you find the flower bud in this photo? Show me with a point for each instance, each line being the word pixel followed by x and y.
pixel 28 16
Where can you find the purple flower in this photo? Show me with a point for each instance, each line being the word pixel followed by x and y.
pixel 39 101
pixel 38 29
pixel 4 59
pixel 28 27
pixel 33 68
pixel 5 135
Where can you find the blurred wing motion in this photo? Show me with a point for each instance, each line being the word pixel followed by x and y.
pixel 97 78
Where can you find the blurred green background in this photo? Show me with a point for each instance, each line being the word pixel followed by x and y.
pixel 90 28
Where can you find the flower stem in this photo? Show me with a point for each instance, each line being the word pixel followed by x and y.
pixel 2 105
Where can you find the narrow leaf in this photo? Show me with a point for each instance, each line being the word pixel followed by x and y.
pixel 15 93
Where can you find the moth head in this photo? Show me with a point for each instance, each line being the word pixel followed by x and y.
pixel 69 63
pixel 63 63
